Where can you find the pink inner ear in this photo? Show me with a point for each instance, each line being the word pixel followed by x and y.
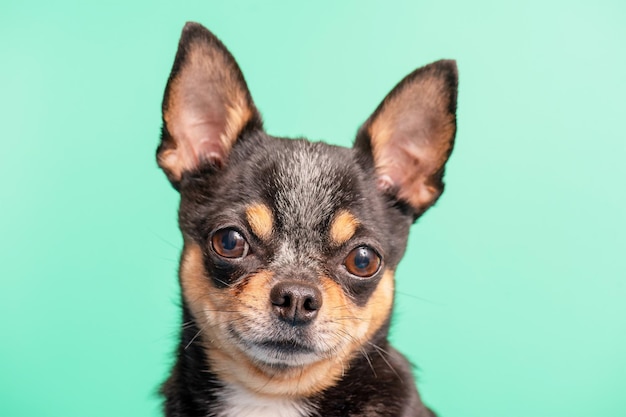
pixel 201 138
pixel 208 105
pixel 405 169
pixel 197 137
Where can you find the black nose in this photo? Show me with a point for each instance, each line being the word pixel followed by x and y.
pixel 296 303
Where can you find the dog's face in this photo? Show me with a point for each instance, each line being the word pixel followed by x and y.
pixel 291 246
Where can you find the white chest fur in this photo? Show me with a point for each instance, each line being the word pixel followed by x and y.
pixel 239 402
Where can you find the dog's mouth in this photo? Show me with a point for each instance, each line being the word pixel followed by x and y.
pixel 285 346
pixel 278 352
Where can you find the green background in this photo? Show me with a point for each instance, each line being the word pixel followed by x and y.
pixel 512 295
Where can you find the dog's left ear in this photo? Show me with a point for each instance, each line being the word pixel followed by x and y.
pixel 206 105
pixel 410 135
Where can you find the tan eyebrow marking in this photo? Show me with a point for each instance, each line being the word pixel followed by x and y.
pixel 260 219
pixel 343 227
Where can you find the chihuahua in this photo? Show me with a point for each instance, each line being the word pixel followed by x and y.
pixel 290 246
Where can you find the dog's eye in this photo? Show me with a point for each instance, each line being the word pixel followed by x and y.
pixel 229 243
pixel 362 262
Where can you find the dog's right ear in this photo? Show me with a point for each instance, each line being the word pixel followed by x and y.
pixel 206 105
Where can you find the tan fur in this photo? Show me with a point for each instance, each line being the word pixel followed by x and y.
pixel 360 323
pixel 206 109
pixel 378 308
pixel 346 327
pixel 343 227
pixel 260 219
pixel 411 138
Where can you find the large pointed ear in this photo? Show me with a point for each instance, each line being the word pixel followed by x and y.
pixel 206 105
pixel 410 135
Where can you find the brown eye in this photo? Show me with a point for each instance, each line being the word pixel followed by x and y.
pixel 229 243
pixel 362 262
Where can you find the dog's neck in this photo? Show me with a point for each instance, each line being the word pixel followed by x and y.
pixel 236 401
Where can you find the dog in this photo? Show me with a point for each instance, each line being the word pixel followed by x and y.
pixel 290 246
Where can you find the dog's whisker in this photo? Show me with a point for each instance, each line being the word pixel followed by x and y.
pixel 415 297
pixel 382 352
pixel 217 310
pixel 162 239
pixel 369 361
pixel 224 283
pixel 193 339
pixel 334 319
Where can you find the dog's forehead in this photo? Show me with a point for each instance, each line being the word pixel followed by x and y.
pixel 310 182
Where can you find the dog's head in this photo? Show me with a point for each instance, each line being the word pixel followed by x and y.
pixel 290 246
